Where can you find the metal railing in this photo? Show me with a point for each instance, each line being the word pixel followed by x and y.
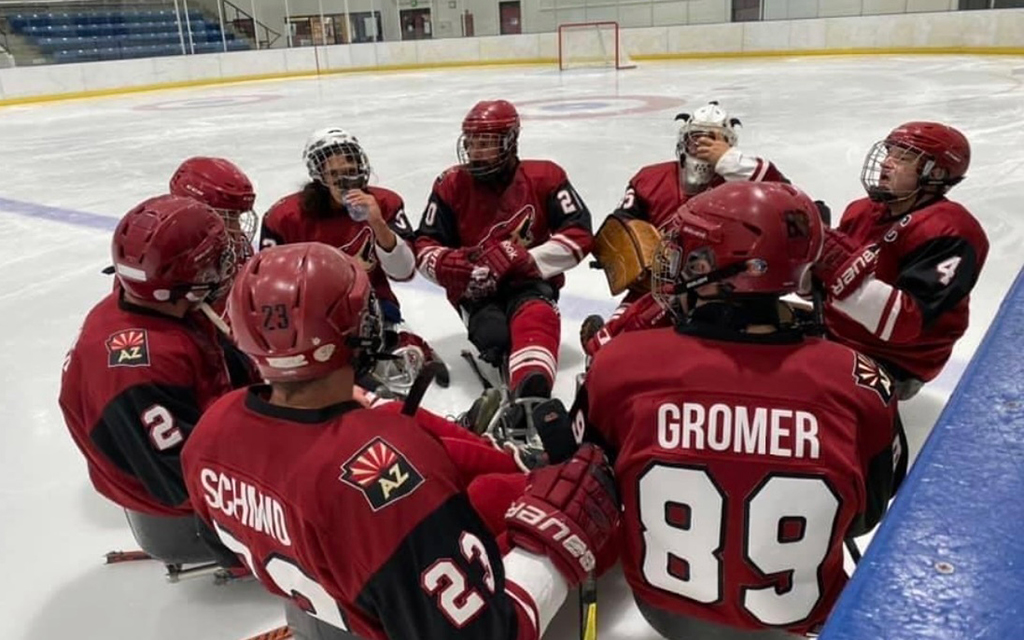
pixel 247 24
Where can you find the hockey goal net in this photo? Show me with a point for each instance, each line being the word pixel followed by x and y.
pixel 591 44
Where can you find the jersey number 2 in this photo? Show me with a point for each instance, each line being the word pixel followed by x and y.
pixel 292 581
pixel 787 528
pixel 446 581
pixel 161 428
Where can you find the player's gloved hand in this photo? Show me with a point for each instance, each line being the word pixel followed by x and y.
pixel 508 258
pixel 644 313
pixel 453 270
pixel 843 265
pixel 567 513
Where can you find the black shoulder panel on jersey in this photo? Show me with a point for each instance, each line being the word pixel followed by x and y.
pixel 269 237
pixel 133 446
pixel 438 222
pixel 884 474
pixel 632 205
pixel 939 274
pixel 565 208
pixel 435 586
pixel 401 226
pixel 580 414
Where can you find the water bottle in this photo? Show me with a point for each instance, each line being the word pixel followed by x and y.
pixel 358 213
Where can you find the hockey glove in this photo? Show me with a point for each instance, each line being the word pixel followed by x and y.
pixel 454 271
pixel 645 313
pixel 568 512
pixel 508 258
pixel 843 265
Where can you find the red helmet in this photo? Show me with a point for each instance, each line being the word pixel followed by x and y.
pixel 169 247
pixel 940 145
pixel 220 184
pixel 756 237
pixel 490 129
pixel 301 311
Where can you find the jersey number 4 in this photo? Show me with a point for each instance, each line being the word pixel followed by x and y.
pixel 787 528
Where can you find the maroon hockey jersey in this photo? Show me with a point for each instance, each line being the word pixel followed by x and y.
pixel 286 223
pixel 654 193
pixel 538 209
pixel 915 307
pixel 741 466
pixel 133 387
pixel 356 514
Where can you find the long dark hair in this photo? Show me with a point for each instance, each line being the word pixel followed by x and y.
pixel 317 201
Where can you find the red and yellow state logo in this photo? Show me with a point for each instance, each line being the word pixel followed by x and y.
pixel 868 374
pixel 381 473
pixel 128 348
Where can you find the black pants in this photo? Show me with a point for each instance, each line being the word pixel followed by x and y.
pixel 489 320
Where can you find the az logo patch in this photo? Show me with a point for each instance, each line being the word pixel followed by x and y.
pixel 381 473
pixel 868 374
pixel 128 348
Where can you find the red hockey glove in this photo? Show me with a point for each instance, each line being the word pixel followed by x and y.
pixel 645 313
pixel 843 265
pixel 461 277
pixel 508 258
pixel 568 512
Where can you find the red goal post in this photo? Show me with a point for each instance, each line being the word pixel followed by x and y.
pixel 591 44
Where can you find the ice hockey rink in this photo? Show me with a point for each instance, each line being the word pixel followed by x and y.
pixel 68 170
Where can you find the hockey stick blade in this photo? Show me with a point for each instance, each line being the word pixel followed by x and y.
pixel 853 549
pixel 475 366
pixel 114 557
pixel 279 633
pixel 429 372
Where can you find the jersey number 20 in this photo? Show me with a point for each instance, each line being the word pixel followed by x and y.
pixel 683 515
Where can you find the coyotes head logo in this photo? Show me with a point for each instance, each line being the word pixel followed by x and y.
pixel 518 228
pixel 868 374
pixel 381 473
pixel 361 248
pixel 128 348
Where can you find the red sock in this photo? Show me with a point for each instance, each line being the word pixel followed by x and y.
pixel 536 330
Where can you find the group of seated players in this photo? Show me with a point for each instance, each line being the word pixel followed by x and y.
pixel 737 421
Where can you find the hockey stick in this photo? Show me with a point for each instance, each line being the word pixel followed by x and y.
pixel 429 372
pixel 475 366
pixel 851 546
pixel 279 633
pixel 588 608
pixel 115 557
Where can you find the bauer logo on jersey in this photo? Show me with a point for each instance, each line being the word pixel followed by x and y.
pixel 128 348
pixel 382 473
pixel 868 374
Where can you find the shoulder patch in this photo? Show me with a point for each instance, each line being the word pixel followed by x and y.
pixel 128 348
pixel 869 374
pixel 381 473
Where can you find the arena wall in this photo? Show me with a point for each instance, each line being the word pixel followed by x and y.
pixel 989 32
pixel 947 561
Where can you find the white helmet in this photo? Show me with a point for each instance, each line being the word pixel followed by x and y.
pixel 709 120
pixel 325 143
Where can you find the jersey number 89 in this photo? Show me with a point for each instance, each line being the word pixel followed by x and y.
pixel 683 515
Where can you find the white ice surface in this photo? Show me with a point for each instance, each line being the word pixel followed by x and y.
pixel 816 118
